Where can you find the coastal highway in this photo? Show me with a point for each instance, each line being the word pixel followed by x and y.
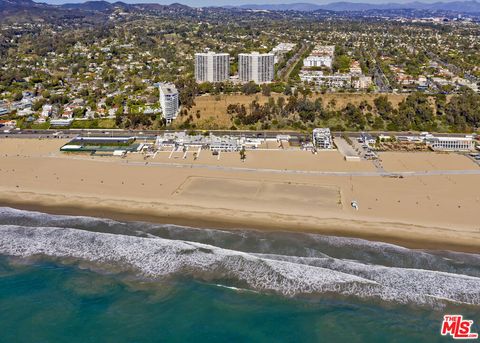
pixel 300 136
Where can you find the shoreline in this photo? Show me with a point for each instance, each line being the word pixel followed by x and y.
pixel 377 231
pixel 424 209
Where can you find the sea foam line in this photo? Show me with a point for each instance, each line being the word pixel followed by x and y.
pixel 158 257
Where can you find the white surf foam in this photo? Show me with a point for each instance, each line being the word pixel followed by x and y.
pixel 157 257
pixel 401 284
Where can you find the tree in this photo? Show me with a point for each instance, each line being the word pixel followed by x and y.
pixel 342 63
pixel 79 112
pixel 415 112
pixel 243 155
pixel 384 106
pixel 37 105
pixel 266 90
pixel 288 90
pixel 462 111
pixel 378 123
pixel 17 96
pixel 250 88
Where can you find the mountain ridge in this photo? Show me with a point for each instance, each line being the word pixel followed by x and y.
pixel 468 6
pixel 465 6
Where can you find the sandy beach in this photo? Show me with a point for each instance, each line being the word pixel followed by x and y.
pixel 274 190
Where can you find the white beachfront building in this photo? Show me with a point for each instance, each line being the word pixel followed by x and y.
pixel 451 143
pixel 322 138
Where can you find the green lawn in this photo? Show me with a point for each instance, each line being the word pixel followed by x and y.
pixel 93 124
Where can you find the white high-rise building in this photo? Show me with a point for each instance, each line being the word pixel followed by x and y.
pixel 168 101
pixel 256 67
pixel 212 67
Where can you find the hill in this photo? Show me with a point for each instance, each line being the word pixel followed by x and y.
pixel 455 6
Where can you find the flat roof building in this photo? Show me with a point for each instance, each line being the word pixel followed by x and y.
pixel 102 144
pixel 320 50
pixel 61 122
pixel 212 67
pixel 451 143
pixel 322 138
pixel 318 78
pixel 168 101
pixel 283 48
pixel 212 142
pixel 256 67
pixel 318 61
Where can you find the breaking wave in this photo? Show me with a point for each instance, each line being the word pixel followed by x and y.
pixel 280 262
pixel 158 257
pixel 288 275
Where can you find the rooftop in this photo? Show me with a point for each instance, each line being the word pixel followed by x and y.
pixel 168 88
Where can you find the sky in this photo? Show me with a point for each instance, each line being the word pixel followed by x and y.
pixel 203 3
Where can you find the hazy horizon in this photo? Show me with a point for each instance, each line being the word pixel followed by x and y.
pixel 196 3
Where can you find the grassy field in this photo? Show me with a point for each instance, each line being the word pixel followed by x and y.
pixel 210 111
pixel 104 123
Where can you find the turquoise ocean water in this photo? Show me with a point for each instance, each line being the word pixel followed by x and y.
pixel 79 279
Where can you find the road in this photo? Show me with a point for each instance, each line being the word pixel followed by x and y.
pixel 286 71
pixel 301 136
pixel 381 80
pixel 70 133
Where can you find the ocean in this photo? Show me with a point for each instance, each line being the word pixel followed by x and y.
pixel 83 279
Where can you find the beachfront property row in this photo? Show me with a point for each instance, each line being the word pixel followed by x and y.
pixel 170 141
pixel 211 142
pixel 321 139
